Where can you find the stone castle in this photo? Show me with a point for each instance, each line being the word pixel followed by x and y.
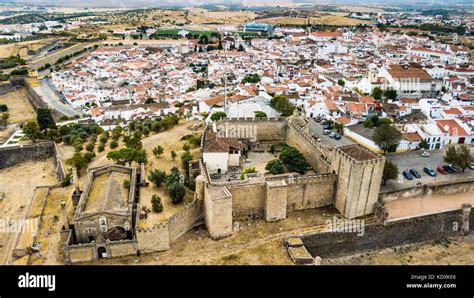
pixel 105 225
pixel 348 177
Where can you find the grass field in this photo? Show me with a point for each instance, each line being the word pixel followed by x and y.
pixel 320 18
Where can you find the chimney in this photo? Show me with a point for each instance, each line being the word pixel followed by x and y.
pixel 64 217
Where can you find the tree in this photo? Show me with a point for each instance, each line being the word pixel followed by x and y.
pixel 377 93
pixel 275 167
pixel 186 157
pixel 78 161
pixel 260 114
pixel 32 130
pixel 293 160
pixel 123 156
pixel 186 147
pixel 134 143
pixel 173 155
pixel 156 204
pixel 390 171
pixel 176 191
pixel 218 115
pixel 339 127
pixel 387 137
pixel 157 177
pixel 252 78
pixel 424 144
pixel 248 170
pixel 283 105
pixel 4 119
pixel 341 82
pixel 458 155
pixel 45 119
pixel 157 151
pixel 390 94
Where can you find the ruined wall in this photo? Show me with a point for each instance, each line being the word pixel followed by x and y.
pixel 181 222
pixel 6 88
pixel 443 188
pixel 121 248
pixel 80 253
pixel 37 101
pixel 316 155
pixel 12 155
pixel 378 235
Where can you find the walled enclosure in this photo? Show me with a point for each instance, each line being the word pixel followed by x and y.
pixel 273 196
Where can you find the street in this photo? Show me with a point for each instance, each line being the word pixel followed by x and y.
pixel 54 101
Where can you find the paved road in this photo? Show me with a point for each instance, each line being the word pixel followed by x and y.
pixel 410 160
pixel 54 101
pixel 53 57
pixel 317 129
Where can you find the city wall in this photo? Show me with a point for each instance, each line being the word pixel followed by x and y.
pixel 439 188
pixel 382 235
pixel 267 130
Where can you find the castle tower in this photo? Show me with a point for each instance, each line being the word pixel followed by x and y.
pixel 359 172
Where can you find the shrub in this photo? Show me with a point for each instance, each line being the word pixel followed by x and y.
pixel 113 144
pixel 156 204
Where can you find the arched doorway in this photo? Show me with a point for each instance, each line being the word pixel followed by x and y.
pixel 101 252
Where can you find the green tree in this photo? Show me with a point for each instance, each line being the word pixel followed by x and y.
pixel 134 143
pixel 157 151
pixel 260 114
pixel 293 160
pixel 248 170
pixel 156 204
pixel 252 78
pixel 32 130
pixel 424 144
pixel 387 137
pixel 176 191
pixel 341 82
pixel 275 167
pixel 458 155
pixel 218 115
pixel 390 171
pixel 4 119
pixel 377 93
pixel 157 177
pixel 173 155
pixel 390 94
pixel 45 119
pixel 123 156
pixel 186 157
pixel 283 105
pixel 78 161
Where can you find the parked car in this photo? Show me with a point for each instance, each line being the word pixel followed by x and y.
pixel 407 175
pixel 327 126
pixel 415 173
pixel 425 154
pixel 442 170
pixel 337 137
pixel 456 169
pixel 332 135
pixel 471 166
pixel 449 169
pixel 326 132
pixel 429 171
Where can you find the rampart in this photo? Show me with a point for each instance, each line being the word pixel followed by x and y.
pixel 13 155
pixel 398 232
pixel 442 188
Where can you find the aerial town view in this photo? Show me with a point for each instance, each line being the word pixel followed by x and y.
pixel 236 132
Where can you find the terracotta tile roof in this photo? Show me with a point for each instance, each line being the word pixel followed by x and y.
pixel 398 72
pixel 328 34
pixel 453 111
pixel 213 142
pixel 411 136
pixel 451 127
pixel 343 120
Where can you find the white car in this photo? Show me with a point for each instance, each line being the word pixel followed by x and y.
pixel 425 154
pixel 332 135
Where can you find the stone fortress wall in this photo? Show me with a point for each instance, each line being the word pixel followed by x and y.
pixel 13 155
pixel 272 197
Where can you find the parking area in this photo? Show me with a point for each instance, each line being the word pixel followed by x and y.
pixel 414 160
pixel 317 129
